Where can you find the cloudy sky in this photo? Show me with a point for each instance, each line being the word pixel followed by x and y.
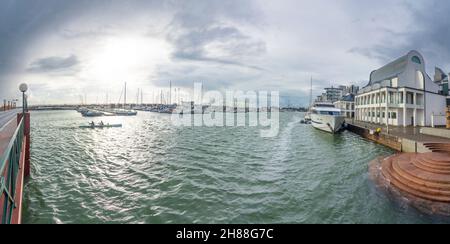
pixel 66 49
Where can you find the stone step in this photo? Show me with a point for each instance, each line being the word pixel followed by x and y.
pixel 426 192
pixel 440 150
pixel 405 166
pixel 438 147
pixel 431 168
pixel 408 189
pixel 439 159
pixel 436 144
pixel 431 164
pixel 411 178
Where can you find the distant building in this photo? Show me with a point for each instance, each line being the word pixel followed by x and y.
pixel 334 94
pixel 441 79
pixel 401 94
pixel 351 90
pixel 347 105
pixel 322 98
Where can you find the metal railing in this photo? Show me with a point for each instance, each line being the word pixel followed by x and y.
pixel 9 170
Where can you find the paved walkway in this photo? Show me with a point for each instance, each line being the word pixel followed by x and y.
pixel 8 126
pixel 411 133
pixel 6 116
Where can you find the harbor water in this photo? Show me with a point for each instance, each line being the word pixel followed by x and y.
pixel 150 171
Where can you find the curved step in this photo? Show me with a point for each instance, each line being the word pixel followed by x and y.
pixel 425 176
pixel 430 168
pixel 424 186
pixel 408 168
pixel 440 159
pixel 410 190
pixel 411 179
pixel 429 165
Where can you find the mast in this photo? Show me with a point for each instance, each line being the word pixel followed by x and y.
pixel 310 93
pixel 137 97
pixel 170 92
pixel 125 96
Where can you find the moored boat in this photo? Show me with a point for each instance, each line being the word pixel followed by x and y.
pixel 326 117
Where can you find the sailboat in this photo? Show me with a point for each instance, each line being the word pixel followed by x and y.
pixel 124 111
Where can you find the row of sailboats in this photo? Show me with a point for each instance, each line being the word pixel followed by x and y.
pixel 109 111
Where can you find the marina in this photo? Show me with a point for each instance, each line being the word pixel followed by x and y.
pixel 115 141
pixel 205 112
pixel 326 174
pixel 172 179
pixel 103 142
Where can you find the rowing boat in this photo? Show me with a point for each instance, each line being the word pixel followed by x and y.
pixel 100 126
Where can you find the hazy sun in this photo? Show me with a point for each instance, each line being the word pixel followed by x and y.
pixel 119 59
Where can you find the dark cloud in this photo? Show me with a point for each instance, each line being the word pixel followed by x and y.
pixel 53 64
pixel 231 44
pixel 22 21
pixel 428 33
pixel 198 33
pixel 383 53
pixel 433 34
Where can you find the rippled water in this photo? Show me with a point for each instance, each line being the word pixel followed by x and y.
pixel 151 172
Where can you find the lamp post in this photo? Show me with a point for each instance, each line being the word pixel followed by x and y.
pixel 23 88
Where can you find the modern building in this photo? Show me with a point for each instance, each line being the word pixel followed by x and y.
pixel 400 94
pixel 321 98
pixel 347 105
pixel 334 94
pixel 352 89
pixel 441 79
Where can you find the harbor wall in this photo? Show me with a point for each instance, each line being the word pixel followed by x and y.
pixel 435 132
pixel 411 146
pixel 383 139
pixel 397 143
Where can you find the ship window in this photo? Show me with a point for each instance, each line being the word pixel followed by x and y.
pixel 330 113
pixel 416 60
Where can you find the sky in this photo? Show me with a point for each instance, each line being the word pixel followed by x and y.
pixel 68 51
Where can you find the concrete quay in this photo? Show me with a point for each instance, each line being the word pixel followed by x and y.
pixel 401 139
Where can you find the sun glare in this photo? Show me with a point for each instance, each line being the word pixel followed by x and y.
pixel 120 59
